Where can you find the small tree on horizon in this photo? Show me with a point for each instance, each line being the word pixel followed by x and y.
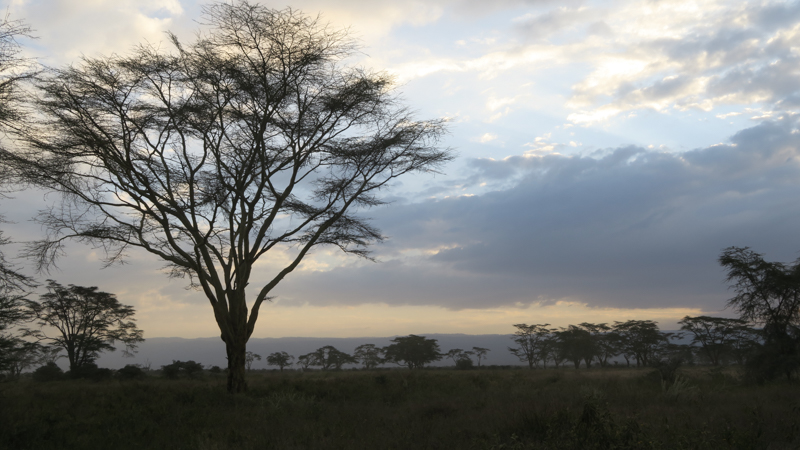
pixel 480 353
pixel 250 358
pixel 412 351
pixel 368 355
pixel 280 359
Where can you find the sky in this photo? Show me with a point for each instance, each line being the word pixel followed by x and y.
pixel 607 152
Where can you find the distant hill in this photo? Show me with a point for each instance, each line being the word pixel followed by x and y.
pixel 157 352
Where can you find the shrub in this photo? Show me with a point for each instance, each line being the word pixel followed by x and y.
pixel 48 372
pixel 131 372
pixel 181 369
pixel 91 372
pixel 464 364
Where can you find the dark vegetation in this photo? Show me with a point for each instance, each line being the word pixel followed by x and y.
pixel 490 408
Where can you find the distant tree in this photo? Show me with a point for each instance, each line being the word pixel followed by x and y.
pixel 640 340
pixel 552 350
pixel 329 357
pixel 255 138
pixel 280 359
pixel 767 294
pixel 86 322
pixel 465 361
pixel 577 345
pixel 714 335
pixel 131 372
pixel 530 339
pixel 48 372
pixel 480 353
pixel 454 354
pixel 412 351
pixel 250 358
pixel 305 361
pixel 603 342
pixel 368 355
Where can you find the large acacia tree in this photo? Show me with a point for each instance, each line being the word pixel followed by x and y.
pixel 255 137
pixel 767 294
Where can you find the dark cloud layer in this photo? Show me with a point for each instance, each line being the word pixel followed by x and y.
pixel 626 228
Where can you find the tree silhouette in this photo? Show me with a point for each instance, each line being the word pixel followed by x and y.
pixel 86 322
pixel 15 353
pixel 280 359
pixel 640 340
pixel 412 351
pixel 768 294
pixel 329 357
pixel 368 355
pixel 715 335
pixel 530 339
pixel 254 138
pixel 250 358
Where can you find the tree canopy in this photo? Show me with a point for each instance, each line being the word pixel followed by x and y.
pixel 254 138
pixel 85 321
pixel 412 351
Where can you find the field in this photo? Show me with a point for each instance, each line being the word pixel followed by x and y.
pixel 612 408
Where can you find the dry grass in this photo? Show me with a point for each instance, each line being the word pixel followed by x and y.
pixel 397 409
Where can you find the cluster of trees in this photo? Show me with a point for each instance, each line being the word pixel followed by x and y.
pixel 411 351
pixel 714 340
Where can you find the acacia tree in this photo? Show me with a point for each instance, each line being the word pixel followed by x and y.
pixel 280 359
pixel 252 140
pixel 715 335
pixel 329 357
pixel 368 355
pixel 640 339
pixel 249 359
pixel 530 339
pixel 86 322
pixel 768 294
pixel 15 353
pixel 412 351
pixel 480 353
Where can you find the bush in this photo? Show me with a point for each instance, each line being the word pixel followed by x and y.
pixel 48 372
pixel 216 370
pixel 465 364
pixel 131 372
pixel 182 369
pixel 91 372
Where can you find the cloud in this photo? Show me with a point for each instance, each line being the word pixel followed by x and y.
pixel 627 228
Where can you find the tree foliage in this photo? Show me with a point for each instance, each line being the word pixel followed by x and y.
pixel 254 138
pixel 718 337
pixel 412 351
pixel 640 340
pixel 15 353
pixel 83 322
pixel 329 357
pixel 280 359
pixel 767 294
pixel 368 355
pixel 531 340
pixel 480 353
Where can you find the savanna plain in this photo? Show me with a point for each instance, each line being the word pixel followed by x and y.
pixel 437 408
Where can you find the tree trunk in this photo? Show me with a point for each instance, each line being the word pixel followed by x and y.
pixel 236 364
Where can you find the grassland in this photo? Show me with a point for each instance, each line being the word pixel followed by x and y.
pixel 401 409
